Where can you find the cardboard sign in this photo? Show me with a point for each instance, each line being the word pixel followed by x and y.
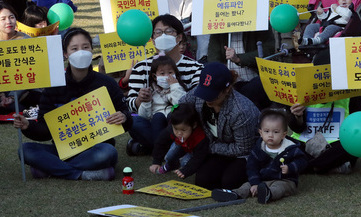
pixel 111 10
pixel 80 124
pixel 345 63
pixel 29 64
pixel 288 84
pixel 131 210
pixel 300 5
pixel 118 56
pixel 225 16
pixel 176 189
pixel 35 32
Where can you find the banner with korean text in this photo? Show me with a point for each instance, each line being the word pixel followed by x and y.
pixel 225 16
pixel 112 10
pixel 288 83
pixel 29 64
pixel 345 63
pixel 131 210
pixel 176 189
pixel 80 124
pixel 118 56
pixel 35 32
pixel 300 5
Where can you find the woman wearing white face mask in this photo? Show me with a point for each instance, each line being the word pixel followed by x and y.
pixel 167 35
pixel 96 163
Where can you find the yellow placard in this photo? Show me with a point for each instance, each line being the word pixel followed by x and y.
pixel 24 64
pixel 318 88
pixel 150 7
pixel 118 56
pixel 353 62
pixel 80 124
pixel 300 5
pixel 35 32
pixel 229 16
pixel 176 189
pixel 143 211
pixel 288 84
pixel 279 80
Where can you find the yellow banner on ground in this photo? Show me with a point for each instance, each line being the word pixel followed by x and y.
pixel 300 5
pixel 80 124
pixel 144 211
pixel 176 189
pixel 225 16
pixel 118 56
pixel 288 83
pixel 27 63
pixel 35 32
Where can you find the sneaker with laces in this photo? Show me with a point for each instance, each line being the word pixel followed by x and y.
pixel 106 174
pixel 263 193
pixel 162 170
pixel 224 195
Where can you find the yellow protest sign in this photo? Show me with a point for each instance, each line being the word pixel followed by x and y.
pixel 279 80
pixel 288 83
pixel 131 210
pixel 346 63
pixel 117 55
pixel 176 189
pixel 144 211
pixel 35 32
pixel 225 16
pixel 112 10
pixel 315 86
pixel 27 64
pixel 80 124
pixel 300 5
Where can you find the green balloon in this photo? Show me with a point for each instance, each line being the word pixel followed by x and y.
pixel 134 27
pixel 284 18
pixel 63 13
pixel 350 134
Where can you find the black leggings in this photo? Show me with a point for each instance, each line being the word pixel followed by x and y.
pixel 222 172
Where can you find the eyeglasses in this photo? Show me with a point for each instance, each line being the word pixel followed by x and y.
pixel 159 32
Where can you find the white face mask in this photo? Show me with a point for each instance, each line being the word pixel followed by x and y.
pixel 81 59
pixel 162 82
pixel 165 42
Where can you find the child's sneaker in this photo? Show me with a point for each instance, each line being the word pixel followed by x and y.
pixel 162 170
pixel 106 174
pixel 263 193
pixel 343 169
pixel 224 195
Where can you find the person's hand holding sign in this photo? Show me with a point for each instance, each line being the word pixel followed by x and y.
pixel 231 54
pixel 116 118
pixel 20 122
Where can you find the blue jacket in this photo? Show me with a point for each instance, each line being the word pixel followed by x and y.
pixel 49 3
pixel 261 167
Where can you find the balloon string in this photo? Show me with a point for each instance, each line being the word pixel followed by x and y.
pixel 311 11
pixel 146 65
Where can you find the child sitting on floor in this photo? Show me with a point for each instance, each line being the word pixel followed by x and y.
pixel 187 141
pixel 273 165
pixel 333 21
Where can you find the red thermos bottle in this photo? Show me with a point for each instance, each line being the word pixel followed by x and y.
pixel 128 181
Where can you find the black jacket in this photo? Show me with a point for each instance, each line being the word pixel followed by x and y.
pixel 55 97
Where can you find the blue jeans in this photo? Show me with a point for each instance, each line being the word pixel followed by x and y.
pixel 147 131
pixel 45 158
pixel 176 157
